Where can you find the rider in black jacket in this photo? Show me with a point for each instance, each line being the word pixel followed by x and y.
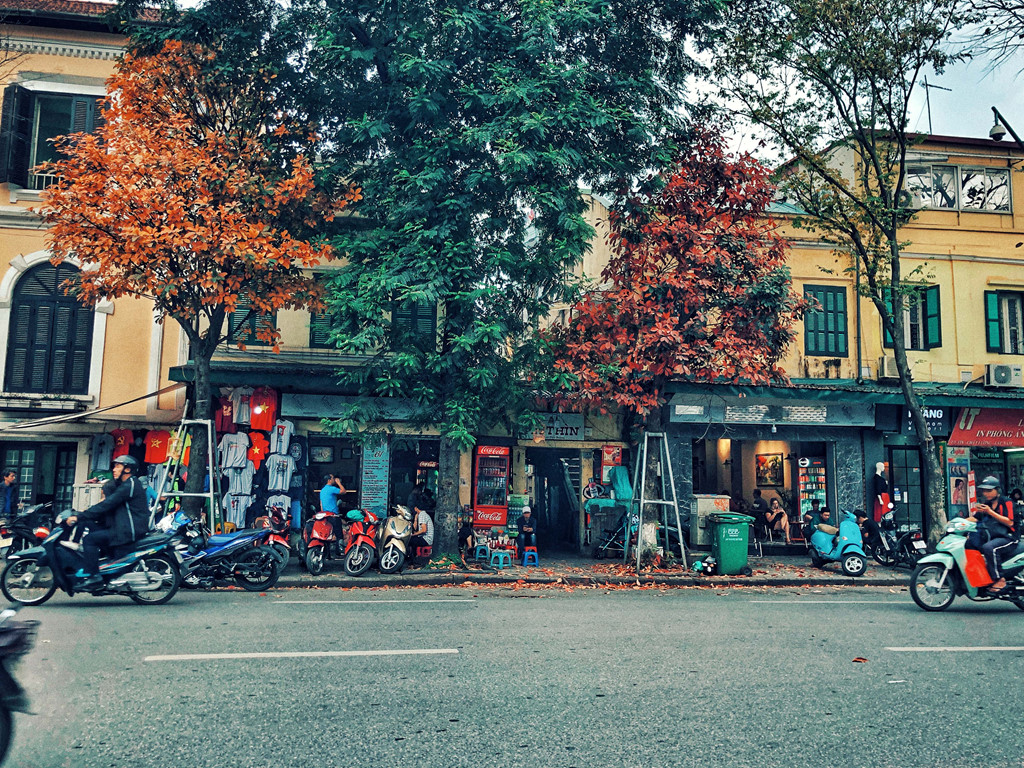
pixel 123 515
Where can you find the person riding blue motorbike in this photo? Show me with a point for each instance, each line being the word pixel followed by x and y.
pixel 122 518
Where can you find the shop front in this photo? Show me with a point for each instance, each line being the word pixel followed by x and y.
pixel 984 441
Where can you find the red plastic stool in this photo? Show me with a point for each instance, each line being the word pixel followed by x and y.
pixel 424 552
pixel 530 556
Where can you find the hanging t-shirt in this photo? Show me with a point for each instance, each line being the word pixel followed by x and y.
pixel 240 479
pixel 264 409
pixel 224 419
pixel 281 501
pixel 259 448
pixel 235 508
pixel 280 469
pixel 233 449
pixel 156 446
pixel 281 436
pixel 123 439
pixel 240 402
pixel 102 452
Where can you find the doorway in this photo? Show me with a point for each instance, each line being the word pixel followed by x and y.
pixel 555 482
pixel 905 486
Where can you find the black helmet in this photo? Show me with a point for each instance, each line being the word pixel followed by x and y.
pixel 127 461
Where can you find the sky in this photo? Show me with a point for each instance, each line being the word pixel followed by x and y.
pixel 966 110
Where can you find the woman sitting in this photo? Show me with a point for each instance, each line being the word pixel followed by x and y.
pixel 777 519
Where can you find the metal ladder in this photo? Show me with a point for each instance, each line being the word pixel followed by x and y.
pixel 173 470
pixel 668 498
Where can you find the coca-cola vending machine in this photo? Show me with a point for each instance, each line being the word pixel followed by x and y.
pixel 490 485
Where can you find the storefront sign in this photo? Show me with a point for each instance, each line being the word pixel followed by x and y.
pixel 752 410
pixel 937 419
pixel 373 490
pixel 991 427
pixel 563 426
pixel 492 450
pixel 957 467
pixel 305 406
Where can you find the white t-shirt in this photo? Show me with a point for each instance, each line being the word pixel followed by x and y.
pixel 240 478
pixel 240 402
pixel 424 519
pixel 233 450
pixel 281 436
pixel 280 469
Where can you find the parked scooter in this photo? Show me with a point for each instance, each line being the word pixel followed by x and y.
pixel 279 522
pixel 16 639
pixel 955 570
pixel 26 529
pixel 243 556
pixel 393 540
pixel 844 547
pixel 319 535
pixel 361 550
pixel 892 549
pixel 147 573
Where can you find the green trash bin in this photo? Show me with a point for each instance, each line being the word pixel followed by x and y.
pixel 729 540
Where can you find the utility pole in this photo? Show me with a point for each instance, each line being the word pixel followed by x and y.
pixel 928 100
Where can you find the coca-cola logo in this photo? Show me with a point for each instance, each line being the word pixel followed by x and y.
pixel 492 450
pixel 490 517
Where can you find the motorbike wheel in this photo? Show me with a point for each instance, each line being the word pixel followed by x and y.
pixel 167 570
pixel 816 560
pixel 883 555
pixel 924 587
pixel 40 588
pixel 6 732
pixel 852 565
pixel 358 560
pixel 599 554
pixel 285 554
pixel 256 570
pixel 1018 601
pixel 315 560
pixel 391 560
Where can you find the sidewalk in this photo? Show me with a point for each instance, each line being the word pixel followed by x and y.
pixel 768 571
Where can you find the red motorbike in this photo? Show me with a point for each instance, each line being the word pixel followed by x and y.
pixel 361 550
pixel 318 535
pixel 279 522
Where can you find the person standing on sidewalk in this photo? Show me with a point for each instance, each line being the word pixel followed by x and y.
pixel 9 495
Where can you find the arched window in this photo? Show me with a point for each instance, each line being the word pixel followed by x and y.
pixel 49 344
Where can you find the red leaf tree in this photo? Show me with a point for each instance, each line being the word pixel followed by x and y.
pixel 697 289
pixel 194 193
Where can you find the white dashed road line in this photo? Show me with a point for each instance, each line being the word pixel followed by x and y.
pixel 298 654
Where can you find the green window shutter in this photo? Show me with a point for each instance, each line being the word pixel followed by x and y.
pixel 242 329
pixel 932 318
pixel 15 134
pixel 415 320
pixel 993 324
pixel 320 330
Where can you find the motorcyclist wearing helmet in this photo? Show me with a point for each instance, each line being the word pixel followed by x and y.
pixel 123 517
pixel 996 530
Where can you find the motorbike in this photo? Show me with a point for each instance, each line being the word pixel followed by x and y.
pixel 892 549
pixel 362 543
pixel 279 522
pixel 16 640
pixel 243 556
pixel 26 529
pixel 393 540
pixel 146 570
pixel 844 547
pixel 319 537
pixel 955 570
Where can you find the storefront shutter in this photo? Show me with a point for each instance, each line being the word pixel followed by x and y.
pixel 993 326
pixel 932 318
pixel 15 135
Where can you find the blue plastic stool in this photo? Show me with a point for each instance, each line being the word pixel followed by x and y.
pixel 482 552
pixel 530 556
pixel 501 558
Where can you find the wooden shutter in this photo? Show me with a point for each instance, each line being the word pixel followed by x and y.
pixel 246 334
pixel 932 318
pixel 320 330
pixel 15 134
pixel 993 324
pixel 417 320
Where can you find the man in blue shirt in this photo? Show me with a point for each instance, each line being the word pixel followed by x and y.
pixel 330 494
pixel 8 494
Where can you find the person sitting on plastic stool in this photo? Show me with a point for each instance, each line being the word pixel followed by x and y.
pixel 527 526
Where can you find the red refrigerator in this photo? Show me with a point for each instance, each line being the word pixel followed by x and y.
pixel 490 485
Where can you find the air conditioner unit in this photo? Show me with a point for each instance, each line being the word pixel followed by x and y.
pixel 887 368
pixel 1009 376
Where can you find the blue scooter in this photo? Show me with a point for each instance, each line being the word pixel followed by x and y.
pixel 845 547
pixel 243 556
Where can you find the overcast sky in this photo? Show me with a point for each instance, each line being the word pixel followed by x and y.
pixel 966 110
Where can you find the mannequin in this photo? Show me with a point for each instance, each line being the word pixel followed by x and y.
pixel 880 492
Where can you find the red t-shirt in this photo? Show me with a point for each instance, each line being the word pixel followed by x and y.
pixel 123 439
pixel 258 448
pixel 225 418
pixel 157 441
pixel 263 404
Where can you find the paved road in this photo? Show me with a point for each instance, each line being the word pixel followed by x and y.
pixel 539 678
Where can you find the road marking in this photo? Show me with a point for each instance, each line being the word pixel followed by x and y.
pixel 297 654
pixel 831 602
pixel 964 649
pixel 371 602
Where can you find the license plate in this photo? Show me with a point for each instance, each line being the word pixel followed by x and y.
pixel 918 544
pixel 6 542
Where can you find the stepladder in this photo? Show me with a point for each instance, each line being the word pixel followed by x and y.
pixel 171 480
pixel 659 497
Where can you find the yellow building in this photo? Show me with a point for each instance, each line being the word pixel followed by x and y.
pixel 94 367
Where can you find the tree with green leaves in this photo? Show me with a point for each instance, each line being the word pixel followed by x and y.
pixel 829 84
pixel 469 128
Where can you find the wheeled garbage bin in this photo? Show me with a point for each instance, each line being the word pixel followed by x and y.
pixel 729 540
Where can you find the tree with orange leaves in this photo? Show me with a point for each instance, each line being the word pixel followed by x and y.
pixel 194 193
pixel 697 289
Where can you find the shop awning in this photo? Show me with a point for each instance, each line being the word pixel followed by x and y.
pixel 989 428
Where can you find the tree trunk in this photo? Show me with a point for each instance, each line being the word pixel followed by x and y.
pixel 198 463
pixel 446 515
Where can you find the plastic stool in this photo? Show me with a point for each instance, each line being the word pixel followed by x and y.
pixel 500 558
pixel 481 552
pixel 530 556
pixel 424 552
